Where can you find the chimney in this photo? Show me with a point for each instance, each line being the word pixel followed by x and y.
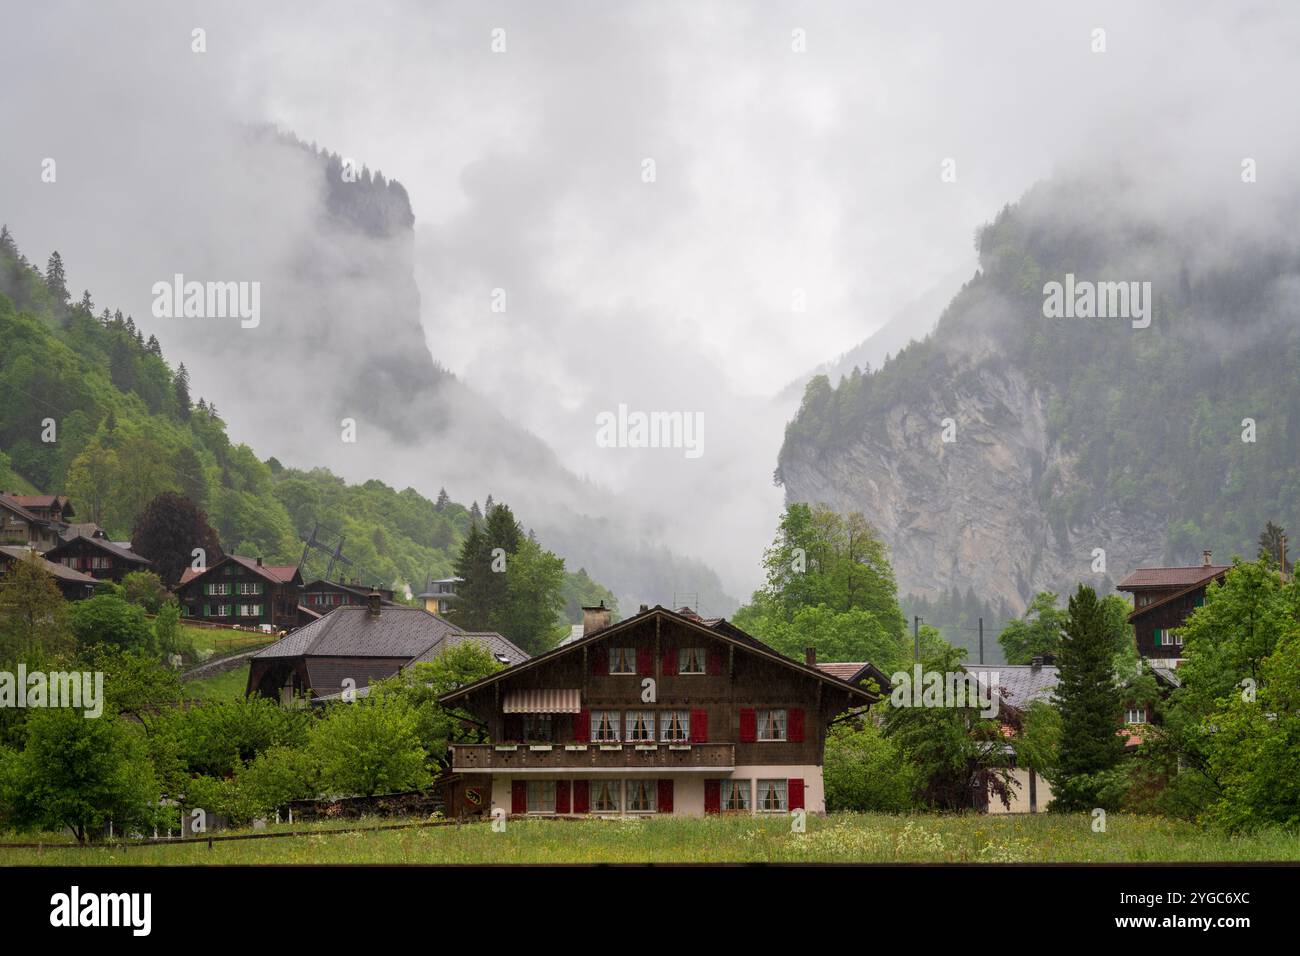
pixel 372 603
pixel 810 656
pixel 644 608
pixel 1036 663
pixel 594 619
pixel 259 560
pixel 1205 558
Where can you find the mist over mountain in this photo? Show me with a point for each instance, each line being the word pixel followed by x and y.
pixel 1067 435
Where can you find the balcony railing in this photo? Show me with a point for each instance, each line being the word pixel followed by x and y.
pixel 536 758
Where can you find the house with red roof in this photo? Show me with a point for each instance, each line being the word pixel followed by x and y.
pixel 243 591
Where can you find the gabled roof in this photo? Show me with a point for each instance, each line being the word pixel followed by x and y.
pixel 1170 598
pixel 1172 577
pixel 61 571
pixel 1018 685
pixel 43 501
pixel 854 672
pixel 718 627
pixel 87 528
pixel 103 544
pixel 495 644
pixel 352 631
pixel 277 574
pixel 10 504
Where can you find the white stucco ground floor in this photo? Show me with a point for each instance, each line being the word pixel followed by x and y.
pixel 753 789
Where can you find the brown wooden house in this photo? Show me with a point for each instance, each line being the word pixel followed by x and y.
pixel 1163 599
pixel 72 584
pixel 20 526
pixel 360 644
pixel 321 596
pixel 244 591
pixel 663 713
pixel 97 556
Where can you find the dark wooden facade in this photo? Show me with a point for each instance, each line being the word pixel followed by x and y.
pixel 741 681
pixel 97 557
pixel 1163 600
pixel 244 591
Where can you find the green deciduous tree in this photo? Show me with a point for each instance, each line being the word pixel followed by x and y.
pixel 368 747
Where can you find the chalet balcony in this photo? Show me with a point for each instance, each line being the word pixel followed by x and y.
pixel 592 758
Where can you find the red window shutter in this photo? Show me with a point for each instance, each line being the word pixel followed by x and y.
pixel 670 661
pixel 794 793
pixel 582 726
pixel 561 796
pixel 714 663
pixel 748 725
pixel 514 728
pixel 581 796
pixel 600 660
pixel 794 725
pixel 518 796
pixel 645 662
pixel 699 726
pixel 712 796
pixel 665 801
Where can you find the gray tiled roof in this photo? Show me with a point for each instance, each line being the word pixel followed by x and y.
pixel 61 571
pixel 1018 684
pixel 350 631
pixel 496 645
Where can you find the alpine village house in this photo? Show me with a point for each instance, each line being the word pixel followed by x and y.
pixel 662 713
pixel 242 591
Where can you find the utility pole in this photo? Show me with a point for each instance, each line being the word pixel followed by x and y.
pixel 981 640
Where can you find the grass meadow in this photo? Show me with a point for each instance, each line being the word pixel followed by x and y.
pixel 837 838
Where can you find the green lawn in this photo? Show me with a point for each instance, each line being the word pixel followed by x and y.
pixel 867 838
pixel 226 686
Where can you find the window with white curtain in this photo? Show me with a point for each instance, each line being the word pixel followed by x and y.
pixel 735 794
pixel 541 796
pixel 771 725
pixel 771 796
pixel 605 795
pixel 622 660
pixel 641 795
pixel 641 726
pixel 675 726
pixel 604 726
pixel 690 660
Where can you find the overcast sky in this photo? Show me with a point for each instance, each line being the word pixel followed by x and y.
pixel 776 171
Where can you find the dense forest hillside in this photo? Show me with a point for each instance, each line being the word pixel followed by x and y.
pixel 123 427
pixel 1075 434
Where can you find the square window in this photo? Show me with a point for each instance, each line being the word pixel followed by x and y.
pixel 606 796
pixel 771 796
pixel 605 726
pixel 541 796
pixel 641 726
pixel 641 796
pixel 771 725
pixel 690 660
pixel 735 795
pixel 622 660
pixel 675 726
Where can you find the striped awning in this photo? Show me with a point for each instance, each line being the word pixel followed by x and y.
pixel 542 702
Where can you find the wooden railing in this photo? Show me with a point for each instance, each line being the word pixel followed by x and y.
pixel 469 758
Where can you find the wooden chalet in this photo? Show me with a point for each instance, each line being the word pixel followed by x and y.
pixel 321 596
pixel 21 526
pixel 97 556
pixel 363 645
pixel 72 584
pixel 663 713
pixel 1163 599
pixel 244 591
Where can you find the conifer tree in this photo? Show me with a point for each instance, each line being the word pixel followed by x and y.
pixel 1089 701
pixel 181 384
pixel 55 280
